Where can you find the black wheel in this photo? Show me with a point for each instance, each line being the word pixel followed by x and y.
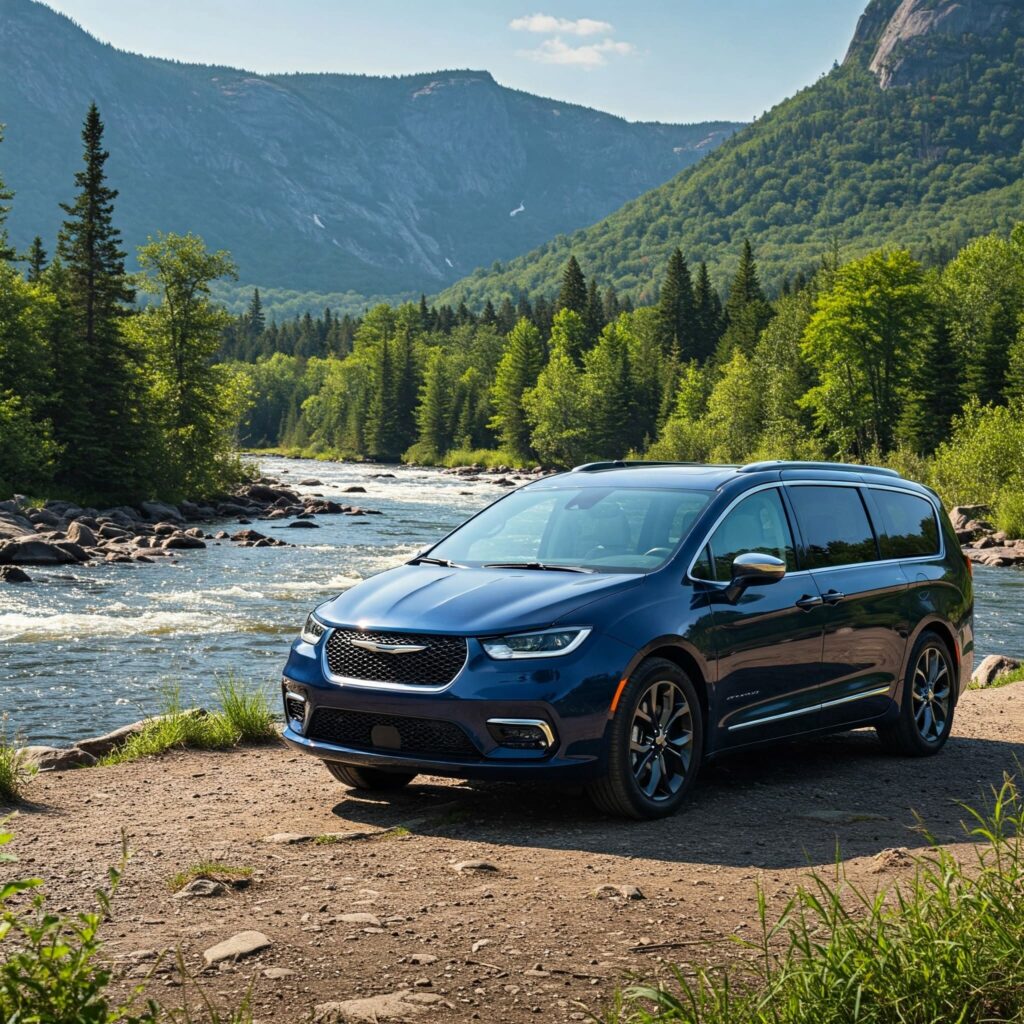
pixel 926 711
pixel 656 744
pixel 368 778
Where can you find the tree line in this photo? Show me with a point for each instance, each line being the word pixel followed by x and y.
pixel 104 397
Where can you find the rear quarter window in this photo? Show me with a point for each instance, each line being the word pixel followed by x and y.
pixel 910 529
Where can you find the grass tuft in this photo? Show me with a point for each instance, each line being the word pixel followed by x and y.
pixel 15 768
pixel 944 946
pixel 215 870
pixel 245 717
pixel 1016 676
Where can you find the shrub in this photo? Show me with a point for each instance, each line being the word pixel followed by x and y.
pixel 489 457
pixel 15 769
pixel 247 710
pixel 945 946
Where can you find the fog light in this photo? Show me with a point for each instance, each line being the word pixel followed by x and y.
pixel 522 733
pixel 294 706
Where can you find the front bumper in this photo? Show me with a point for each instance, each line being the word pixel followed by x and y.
pixel 571 695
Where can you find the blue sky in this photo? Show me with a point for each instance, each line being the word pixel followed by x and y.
pixel 667 60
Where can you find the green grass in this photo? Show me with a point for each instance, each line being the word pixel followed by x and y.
pixel 488 457
pixel 215 870
pixel 15 770
pixel 244 717
pixel 947 945
pixel 1016 676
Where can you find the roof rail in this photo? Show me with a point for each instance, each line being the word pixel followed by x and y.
pixel 837 467
pixel 591 467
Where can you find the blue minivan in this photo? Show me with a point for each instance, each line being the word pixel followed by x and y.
pixel 623 623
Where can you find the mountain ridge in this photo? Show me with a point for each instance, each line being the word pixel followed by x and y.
pixel 318 181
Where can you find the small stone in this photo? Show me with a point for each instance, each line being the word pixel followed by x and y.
pixel 368 919
pixel 895 857
pixel 238 946
pixel 200 887
pixel 479 944
pixel 392 1008
pixel 12 574
pixel 288 838
pixel 464 866
pixel 626 892
pixel 422 983
pixel 279 973
pixel 423 959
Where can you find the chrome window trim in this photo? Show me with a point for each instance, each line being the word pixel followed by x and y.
pixel 538 723
pixel 878 692
pixel 371 684
pixel 825 568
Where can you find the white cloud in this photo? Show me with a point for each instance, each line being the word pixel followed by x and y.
pixel 547 24
pixel 588 56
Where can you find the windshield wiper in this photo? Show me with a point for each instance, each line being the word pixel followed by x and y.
pixel 427 560
pixel 536 565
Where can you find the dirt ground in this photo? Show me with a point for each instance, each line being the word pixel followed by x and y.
pixel 528 941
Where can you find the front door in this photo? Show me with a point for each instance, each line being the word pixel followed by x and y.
pixel 769 640
pixel 865 600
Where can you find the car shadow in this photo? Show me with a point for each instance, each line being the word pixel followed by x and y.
pixel 778 807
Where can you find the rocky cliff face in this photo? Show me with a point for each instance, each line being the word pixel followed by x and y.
pixel 318 182
pixel 905 41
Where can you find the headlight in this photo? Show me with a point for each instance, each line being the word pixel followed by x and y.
pixel 313 629
pixel 548 643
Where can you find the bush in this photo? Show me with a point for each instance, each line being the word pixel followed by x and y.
pixel 247 711
pixel 15 769
pixel 946 946
pixel 489 457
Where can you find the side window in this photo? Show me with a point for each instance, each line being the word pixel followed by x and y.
pixel 757 523
pixel 910 526
pixel 835 526
pixel 702 568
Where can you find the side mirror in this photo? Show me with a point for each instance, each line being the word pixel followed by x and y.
pixel 754 569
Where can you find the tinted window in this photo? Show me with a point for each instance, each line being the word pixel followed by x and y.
pixel 910 526
pixel 757 523
pixel 835 526
pixel 607 529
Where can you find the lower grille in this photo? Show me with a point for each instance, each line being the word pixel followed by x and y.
pixel 436 663
pixel 365 731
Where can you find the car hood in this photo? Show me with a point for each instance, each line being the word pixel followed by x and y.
pixel 433 599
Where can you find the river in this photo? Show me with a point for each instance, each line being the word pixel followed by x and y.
pixel 85 649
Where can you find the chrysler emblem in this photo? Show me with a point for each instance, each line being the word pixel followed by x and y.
pixel 381 648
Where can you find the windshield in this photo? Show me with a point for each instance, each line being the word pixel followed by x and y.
pixel 600 529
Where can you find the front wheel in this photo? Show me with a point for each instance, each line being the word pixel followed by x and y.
pixel 368 778
pixel 656 744
pixel 926 711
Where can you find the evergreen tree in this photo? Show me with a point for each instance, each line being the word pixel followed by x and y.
pixel 7 254
pixel 407 382
pixel 608 394
pixel 556 410
pixel 543 314
pixel 36 260
pixel 473 411
pixel 933 392
pixel 433 417
pixel 594 318
pixel 381 435
pixel 573 294
pixel 611 304
pixel 707 314
pixel 676 312
pixel 506 315
pixel 524 311
pixel 517 372
pixel 100 420
pixel 256 322
pixel 489 315
pixel 747 312
pixel 746 285
pixel 569 330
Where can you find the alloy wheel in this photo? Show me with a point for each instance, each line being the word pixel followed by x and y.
pixel 661 740
pixel 932 692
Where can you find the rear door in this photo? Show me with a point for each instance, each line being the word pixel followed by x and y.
pixel 769 641
pixel 864 596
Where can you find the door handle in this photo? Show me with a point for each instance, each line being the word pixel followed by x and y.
pixel 808 601
pixel 832 596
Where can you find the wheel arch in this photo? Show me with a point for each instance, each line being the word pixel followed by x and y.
pixel 946 634
pixel 675 649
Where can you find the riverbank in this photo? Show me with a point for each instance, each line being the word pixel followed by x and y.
pixel 554 925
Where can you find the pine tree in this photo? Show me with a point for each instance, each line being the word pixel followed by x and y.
pixel 7 254
pixel 594 318
pixel 573 294
pixel 380 429
pixel 99 419
pixel 611 304
pixel 988 360
pixel 256 322
pixel 556 410
pixel 707 313
pixel 676 306
pixel 36 260
pixel 933 392
pixel 746 285
pixel 407 386
pixel 433 417
pixel 506 316
pixel 489 314
pixel 747 312
pixel 607 388
pixel 517 372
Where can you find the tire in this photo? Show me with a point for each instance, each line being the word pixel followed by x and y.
pixel 929 699
pixel 368 778
pixel 651 767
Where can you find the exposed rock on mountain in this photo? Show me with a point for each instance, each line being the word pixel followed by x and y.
pixel 318 182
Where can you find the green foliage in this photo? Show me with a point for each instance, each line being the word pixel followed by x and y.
pixel 215 870
pixel 15 769
pixel 50 966
pixel 244 717
pixel 516 374
pixel 555 408
pixel 944 946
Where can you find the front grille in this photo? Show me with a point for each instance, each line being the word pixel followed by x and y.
pixel 415 735
pixel 437 665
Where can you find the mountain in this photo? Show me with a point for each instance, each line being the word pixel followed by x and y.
pixel 321 182
pixel 916 140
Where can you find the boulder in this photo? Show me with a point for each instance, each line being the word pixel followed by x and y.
pixel 992 667
pixel 13 526
pixel 311 481
pixel 109 531
pixel 182 541
pixel 79 533
pixel 961 515
pixel 392 1008
pixel 58 759
pixel 354 489
pixel 248 535
pixel 303 524
pixel 157 511
pixel 34 552
pixel 76 551
pixel 12 574
pixel 42 515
